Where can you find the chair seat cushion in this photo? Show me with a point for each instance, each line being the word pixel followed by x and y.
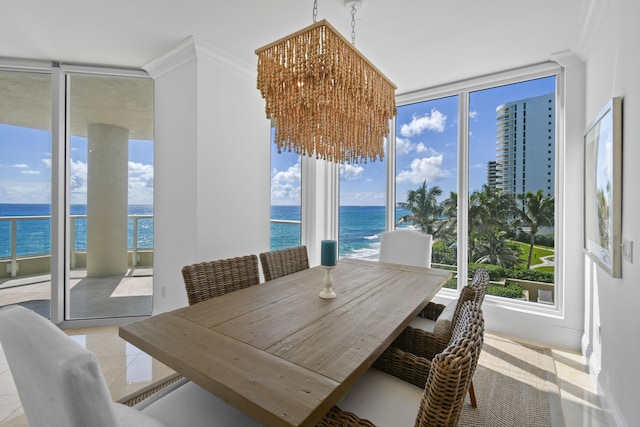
pixel 423 324
pixel 383 399
pixel 439 327
pixel 443 324
pixel 130 417
pixel 191 405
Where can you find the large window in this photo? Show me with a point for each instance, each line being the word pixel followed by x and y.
pixel 426 174
pixel 285 198
pixel 362 209
pixel 512 186
pixel 476 168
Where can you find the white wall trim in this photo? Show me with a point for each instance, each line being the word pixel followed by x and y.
pixel 592 14
pixel 610 408
pixel 193 48
pixel 183 53
pixel 566 58
pixel 210 51
pixel 106 71
pixel 25 64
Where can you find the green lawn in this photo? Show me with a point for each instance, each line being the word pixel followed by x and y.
pixel 538 252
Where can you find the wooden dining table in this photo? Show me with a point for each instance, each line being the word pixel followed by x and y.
pixel 279 352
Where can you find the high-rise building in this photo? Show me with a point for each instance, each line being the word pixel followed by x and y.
pixel 525 146
pixel 491 174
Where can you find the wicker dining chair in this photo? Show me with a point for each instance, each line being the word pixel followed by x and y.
pixel 382 399
pixel 427 343
pixel 428 317
pixel 283 262
pixel 211 279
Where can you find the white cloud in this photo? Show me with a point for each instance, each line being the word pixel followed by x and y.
pixel 47 163
pixel 436 121
pixel 473 115
pixel 21 165
pixel 403 146
pixel 423 149
pixel 139 172
pixel 285 186
pixel 30 172
pixel 426 168
pixel 350 172
pixel 78 177
pixel 140 184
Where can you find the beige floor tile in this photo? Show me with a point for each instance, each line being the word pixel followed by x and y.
pixel 127 369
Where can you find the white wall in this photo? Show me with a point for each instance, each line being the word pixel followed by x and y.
pixel 212 163
pixel 613 69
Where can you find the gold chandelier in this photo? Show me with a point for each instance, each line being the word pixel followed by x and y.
pixel 324 97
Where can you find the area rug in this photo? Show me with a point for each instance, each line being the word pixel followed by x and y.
pixel 515 385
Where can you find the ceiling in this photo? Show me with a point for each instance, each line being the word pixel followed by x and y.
pixel 416 43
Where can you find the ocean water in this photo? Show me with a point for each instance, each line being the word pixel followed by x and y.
pixel 34 235
pixel 359 233
pixel 360 228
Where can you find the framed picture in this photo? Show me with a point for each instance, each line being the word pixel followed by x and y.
pixel 603 188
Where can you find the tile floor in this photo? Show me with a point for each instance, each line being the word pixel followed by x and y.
pixel 128 369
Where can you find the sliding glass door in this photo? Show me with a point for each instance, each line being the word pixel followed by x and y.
pixel 110 185
pixel 25 189
pixel 76 191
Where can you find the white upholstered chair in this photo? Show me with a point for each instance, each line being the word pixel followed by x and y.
pixel 405 246
pixel 60 384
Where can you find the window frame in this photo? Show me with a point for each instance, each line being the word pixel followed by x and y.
pixel 462 89
pixel 59 168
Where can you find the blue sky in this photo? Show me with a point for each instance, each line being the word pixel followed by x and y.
pixel 426 147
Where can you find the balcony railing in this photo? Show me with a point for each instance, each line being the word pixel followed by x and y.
pixel 42 236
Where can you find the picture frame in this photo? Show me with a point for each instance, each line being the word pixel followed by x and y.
pixel 603 188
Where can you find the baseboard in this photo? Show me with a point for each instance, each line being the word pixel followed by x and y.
pixel 609 407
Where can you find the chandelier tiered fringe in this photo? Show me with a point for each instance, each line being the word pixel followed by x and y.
pixel 324 97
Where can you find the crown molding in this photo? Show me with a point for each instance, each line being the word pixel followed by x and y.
pixel 592 14
pixel 193 49
pixel 207 50
pixel 181 54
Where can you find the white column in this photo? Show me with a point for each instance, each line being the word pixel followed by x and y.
pixel 211 157
pixel 107 193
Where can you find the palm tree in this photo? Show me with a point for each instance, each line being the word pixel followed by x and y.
pixel 490 211
pixel 537 211
pixel 424 208
pixel 494 248
pixel 448 228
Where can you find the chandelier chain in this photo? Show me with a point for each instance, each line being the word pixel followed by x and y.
pixel 315 10
pixel 353 24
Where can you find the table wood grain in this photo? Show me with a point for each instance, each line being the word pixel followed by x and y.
pixel 279 352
